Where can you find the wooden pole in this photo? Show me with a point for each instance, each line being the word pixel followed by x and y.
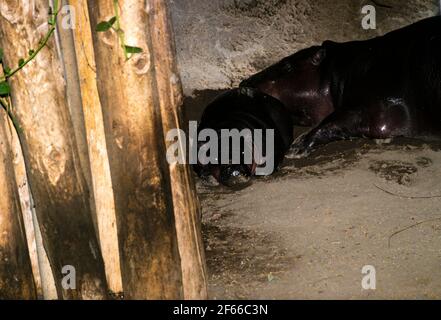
pixel 186 205
pixel 66 49
pixel 50 152
pixel 16 281
pixel 41 270
pixel 99 161
pixel 22 186
pixel 150 260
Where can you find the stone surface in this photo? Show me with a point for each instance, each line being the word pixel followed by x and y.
pixel 220 42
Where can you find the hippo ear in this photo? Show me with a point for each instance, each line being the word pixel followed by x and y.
pixel 318 57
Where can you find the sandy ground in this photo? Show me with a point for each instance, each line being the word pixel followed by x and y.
pixel 307 231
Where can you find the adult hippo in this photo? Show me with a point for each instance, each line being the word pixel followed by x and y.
pixel 381 88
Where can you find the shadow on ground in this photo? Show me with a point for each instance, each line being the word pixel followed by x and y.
pixel 308 230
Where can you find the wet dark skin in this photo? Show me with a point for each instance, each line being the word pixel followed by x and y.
pixel 244 108
pixel 381 88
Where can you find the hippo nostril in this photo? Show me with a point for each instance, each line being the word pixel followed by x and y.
pixel 236 177
pixel 237 182
pixel 235 173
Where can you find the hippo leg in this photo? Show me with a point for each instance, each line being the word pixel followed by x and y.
pixel 378 121
pixel 337 126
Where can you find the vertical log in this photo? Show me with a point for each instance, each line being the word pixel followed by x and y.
pixel 150 260
pixel 26 205
pixel 186 205
pixel 25 200
pixel 65 43
pixel 99 162
pixel 16 281
pixel 51 156
pixel 47 278
pixel 41 269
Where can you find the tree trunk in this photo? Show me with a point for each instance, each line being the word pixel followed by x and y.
pixel 150 260
pixel 186 205
pixel 16 281
pixel 101 180
pixel 50 152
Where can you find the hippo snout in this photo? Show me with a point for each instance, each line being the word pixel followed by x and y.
pixel 235 176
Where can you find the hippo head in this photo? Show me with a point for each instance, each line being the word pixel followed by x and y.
pixel 259 132
pixel 300 83
pixel 228 173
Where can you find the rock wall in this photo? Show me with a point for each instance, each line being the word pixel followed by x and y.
pixel 220 42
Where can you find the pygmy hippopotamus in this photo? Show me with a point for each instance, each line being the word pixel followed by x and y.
pixel 381 88
pixel 385 87
pixel 244 109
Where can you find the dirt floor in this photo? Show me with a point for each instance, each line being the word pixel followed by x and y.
pixel 307 231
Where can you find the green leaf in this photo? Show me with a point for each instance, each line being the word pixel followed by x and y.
pixel 132 50
pixel 7 70
pixel 4 89
pixel 1 54
pixel 31 52
pixel 112 21
pixel 103 26
pixel 21 62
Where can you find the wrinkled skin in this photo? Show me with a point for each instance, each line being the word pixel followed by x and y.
pixel 381 88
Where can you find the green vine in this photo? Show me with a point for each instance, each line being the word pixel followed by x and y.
pixel 5 89
pixel 114 23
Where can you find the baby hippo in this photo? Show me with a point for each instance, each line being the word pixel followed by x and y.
pixel 242 133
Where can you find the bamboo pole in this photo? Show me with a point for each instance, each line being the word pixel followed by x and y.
pixel 101 179
pixel 50 152
pixel 16 281
pixel 186 205
pixel 150 262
